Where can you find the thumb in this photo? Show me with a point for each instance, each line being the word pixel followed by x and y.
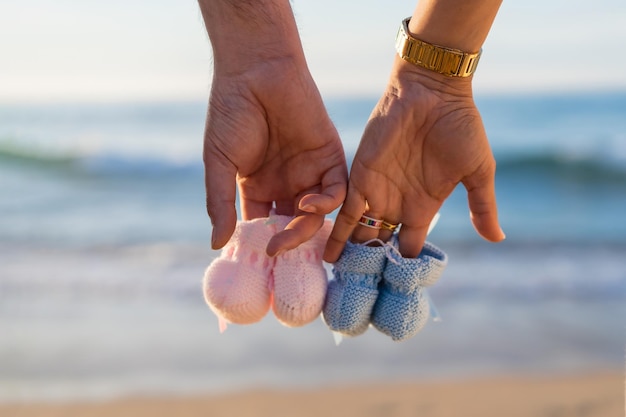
pixel 333 192
pixel 481 196
pixel 299 230
pixel 220 185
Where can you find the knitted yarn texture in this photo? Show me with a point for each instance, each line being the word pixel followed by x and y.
pixel 300 281
pixel 237 284
pixel 354 288
pixel 370 285
pixel 241 284
pixel 402 309
pixel 374 284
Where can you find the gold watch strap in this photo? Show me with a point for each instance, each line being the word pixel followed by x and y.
pixel 446 61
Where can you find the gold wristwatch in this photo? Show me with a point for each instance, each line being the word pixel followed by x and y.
pixel 446 61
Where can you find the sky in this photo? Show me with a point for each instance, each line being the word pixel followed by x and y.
pixel 120 50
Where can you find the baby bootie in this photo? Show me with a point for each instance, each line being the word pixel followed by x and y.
pixel 402 308
pixel 300 280
pixel 354 288
pixel 237 284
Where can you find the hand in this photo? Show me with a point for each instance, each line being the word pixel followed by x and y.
pixel 424 136
pixel 267 129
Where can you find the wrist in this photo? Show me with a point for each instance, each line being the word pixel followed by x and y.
pixel 446 61
pixel 246 33
pixel 405 74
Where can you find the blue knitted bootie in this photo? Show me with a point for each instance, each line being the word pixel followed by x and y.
pixel 354 288
pixel 402 308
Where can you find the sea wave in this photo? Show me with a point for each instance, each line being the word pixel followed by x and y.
pixel 12 153
pixel 96 164
pixel 592 167
pixel 587 168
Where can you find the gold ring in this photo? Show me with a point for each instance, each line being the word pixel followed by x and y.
pixel 371 222
pixel 389 226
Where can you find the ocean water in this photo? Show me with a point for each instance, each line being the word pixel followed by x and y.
pixel 104 239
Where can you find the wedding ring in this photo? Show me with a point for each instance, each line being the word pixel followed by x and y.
pixel 370 222
pixel 389 226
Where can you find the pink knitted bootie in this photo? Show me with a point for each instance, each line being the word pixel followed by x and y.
pixel 300 281
pixel 237 284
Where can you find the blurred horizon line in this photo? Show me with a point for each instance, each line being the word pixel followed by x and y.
pixel 138 99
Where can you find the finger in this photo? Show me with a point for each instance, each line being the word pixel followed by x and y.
pixel 420 214
pixel 333 192
pixel 298 231
pixel 388 228
pixel 252 209
pixel 285 208
pixel 364 232
pixel 292 207
pixel 411 240
pixel 346 221
pixel 481 196
pixel 219 179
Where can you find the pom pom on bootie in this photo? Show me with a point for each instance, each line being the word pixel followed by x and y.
pixel 237 284
pixel 354 288
pixel 402 308
pixel 300 280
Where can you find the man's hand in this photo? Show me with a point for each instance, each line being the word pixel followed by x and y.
pixel 268 129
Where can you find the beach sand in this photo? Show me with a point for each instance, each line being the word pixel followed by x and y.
pixel 600 395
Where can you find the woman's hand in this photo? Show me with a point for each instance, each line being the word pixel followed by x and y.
pixel 424 136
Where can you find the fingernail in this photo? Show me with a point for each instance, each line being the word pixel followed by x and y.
pixel 502 234
pixel 213 238
pixel 308 208
pixel 280 252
